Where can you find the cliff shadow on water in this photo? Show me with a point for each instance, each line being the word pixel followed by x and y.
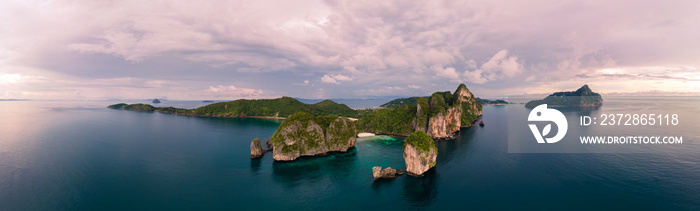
pixel 421 191
pixel 255 165
pixel 460 145
pixel 309 169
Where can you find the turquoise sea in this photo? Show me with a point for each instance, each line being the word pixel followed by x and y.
pixel 66 155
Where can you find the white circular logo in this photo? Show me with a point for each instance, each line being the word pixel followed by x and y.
pixel 541 114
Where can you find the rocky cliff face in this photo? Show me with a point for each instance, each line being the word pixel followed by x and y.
pixel 303 134
pixel 419 153
pixel 445 124
pixel 446 113
pixel 471 110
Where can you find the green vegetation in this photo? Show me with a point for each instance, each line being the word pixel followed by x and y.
pixel 280 107
pixel 395 121
pixel 256 142
pixel 332 133
pixel 581 98
pixel 421 141
pixel 401 102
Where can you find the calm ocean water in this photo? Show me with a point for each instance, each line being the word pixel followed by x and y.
pixel 81 156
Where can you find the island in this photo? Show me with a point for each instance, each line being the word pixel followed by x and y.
pixel 583 97
pixel 303 134
pixel 155 101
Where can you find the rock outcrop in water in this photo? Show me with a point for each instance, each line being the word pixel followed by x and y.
pixel 419 153
pixel 256 150
pixel 303 134
pixel 583 97
pixel 379 173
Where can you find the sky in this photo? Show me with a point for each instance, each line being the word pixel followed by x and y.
pixel 355 49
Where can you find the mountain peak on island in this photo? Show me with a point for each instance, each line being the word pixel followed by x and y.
pixel 583 97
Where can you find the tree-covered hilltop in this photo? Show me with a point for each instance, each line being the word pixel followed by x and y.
pixel 440 115
pixel 279 107
pixel 401 102
pixel 394 121
pixel 584 97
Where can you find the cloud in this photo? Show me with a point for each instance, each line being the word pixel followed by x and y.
pixel 272 45
pixel 335 79
pixel 448 72
pixel 499 66
pixel 305 83
pixel 232 92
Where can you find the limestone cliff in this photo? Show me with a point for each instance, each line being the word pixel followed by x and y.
pixel 446 113
pixel 471 109
pixel 303 134
pixel 419 153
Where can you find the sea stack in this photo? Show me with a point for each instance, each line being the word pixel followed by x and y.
pixel 255 149
pixel 419 153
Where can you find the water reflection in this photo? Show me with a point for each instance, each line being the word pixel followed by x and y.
pixel 421 191
pixel 255 164
pixel 447 149
pixel 377 185
pixel 315 170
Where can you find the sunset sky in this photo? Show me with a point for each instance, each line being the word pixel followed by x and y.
pixel 220 50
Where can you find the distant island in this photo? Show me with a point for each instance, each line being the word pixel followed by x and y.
pixel 414 100
pixel 156 101
pixel 584 97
